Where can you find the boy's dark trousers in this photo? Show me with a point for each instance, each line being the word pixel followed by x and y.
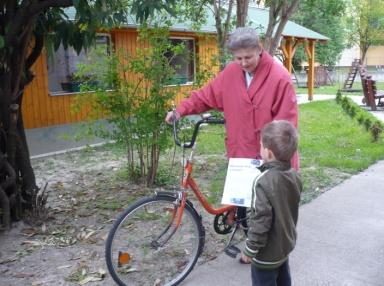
pixel 275 277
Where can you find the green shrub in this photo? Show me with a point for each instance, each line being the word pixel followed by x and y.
pixel 135 110
pixel 376 129
pixel 345 103
pixel 338 96
pixel 361 118
pixel 352 111
pixel 367 123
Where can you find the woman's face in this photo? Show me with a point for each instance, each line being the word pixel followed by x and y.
pixel 247 58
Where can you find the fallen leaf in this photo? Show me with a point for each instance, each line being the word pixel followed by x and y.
pixel 64 266
pixel 90 279
pixel 23 275
pixel 29 232
pixel 83 272
pixel 102 272
pixel 128 270
pixel 32 242
pixel 74 258
pixel 89 234
pixel 8 260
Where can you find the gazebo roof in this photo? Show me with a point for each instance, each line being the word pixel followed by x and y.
pixel 258 17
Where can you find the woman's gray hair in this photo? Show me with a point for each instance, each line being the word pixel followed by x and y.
pixel 243 38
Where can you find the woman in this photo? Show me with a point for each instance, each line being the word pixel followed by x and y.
pixel 252 91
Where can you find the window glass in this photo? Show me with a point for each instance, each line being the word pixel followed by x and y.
pixel 62 65
pixel 184 63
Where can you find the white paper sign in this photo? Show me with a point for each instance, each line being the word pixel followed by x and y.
pixel 238 184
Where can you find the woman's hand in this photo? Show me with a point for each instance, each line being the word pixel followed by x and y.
pixel 171 116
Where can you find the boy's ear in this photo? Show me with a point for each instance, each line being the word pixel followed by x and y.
pixel 271 156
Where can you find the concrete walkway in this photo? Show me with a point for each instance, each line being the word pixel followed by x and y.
pixel 340 240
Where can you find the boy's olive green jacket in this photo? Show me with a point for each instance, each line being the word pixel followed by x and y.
pixel 274 213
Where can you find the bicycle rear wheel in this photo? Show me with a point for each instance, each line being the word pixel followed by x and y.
pixel 137 249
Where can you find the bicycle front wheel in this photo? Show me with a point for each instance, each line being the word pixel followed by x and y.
pixel 141 249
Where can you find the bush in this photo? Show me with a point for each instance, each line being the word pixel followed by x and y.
pixel 376 129
pixel 352 111
pixel 363 117
pixel 135 109
pixel 338 96
pixel 367 124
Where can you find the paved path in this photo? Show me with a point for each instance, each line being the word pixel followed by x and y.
pixel 340 240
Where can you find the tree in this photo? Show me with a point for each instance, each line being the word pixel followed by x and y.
pixel 366 24
pixel 134 109
pixel 279 13
pixel 223 14
pixel 25 28
pixel 241 12
pixel 323 16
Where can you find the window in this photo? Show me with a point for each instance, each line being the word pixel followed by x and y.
pixel 62 66
pixel 183 63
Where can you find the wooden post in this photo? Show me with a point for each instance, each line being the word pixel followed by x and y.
pixel 310 50
pixel 288 49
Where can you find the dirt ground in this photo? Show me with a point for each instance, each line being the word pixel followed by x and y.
pixel 86 192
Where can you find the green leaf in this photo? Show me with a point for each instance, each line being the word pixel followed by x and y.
pixel 2 43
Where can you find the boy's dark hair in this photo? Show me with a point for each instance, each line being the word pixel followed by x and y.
pixel 280 136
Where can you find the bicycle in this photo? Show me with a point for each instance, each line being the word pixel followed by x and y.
pixel 158 239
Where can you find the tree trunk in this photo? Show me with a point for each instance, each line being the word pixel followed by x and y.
pixel 222 28
pixel 275 41
pixel 364 46
pixel 279 13
pixel 241 12
pixel 22 190
pixel 154 164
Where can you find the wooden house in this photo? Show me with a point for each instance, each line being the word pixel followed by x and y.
pixel 47 100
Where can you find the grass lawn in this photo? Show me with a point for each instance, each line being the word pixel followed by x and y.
pixel 332 147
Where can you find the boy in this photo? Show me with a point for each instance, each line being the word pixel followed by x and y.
pixel 275 205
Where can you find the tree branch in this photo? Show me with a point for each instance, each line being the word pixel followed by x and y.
pixel 36 51
pixel 27 11
pixel 228 20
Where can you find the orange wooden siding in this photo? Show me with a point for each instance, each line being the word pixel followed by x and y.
pixel 40 109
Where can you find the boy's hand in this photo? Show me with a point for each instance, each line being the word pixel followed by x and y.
pixel 245 259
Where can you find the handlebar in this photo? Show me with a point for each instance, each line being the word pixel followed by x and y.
pixel 209 119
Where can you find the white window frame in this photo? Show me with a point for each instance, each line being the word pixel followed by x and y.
pixel 69 70
pixel 194 58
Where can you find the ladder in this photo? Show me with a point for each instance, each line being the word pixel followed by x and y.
pixel 352 74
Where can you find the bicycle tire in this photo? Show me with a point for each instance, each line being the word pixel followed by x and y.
pixel 132 236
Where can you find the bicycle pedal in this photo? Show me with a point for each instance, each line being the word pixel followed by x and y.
pixel 232 251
